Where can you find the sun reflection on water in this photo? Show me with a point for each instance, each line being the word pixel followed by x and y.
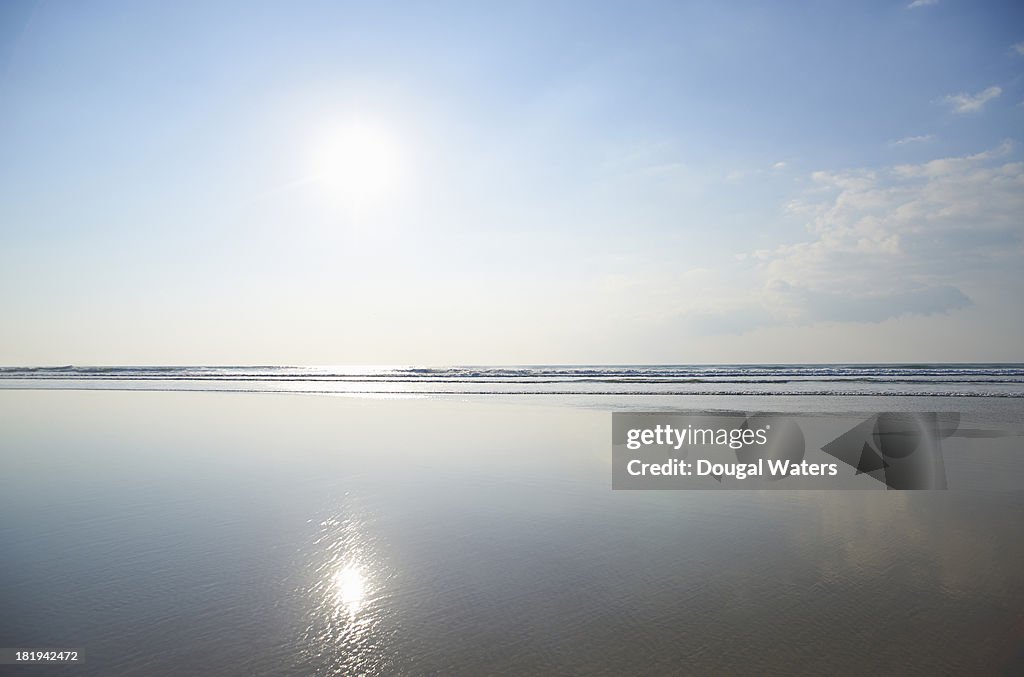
pixel 348 630
pixel 349 584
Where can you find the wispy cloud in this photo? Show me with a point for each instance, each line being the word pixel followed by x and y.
pixel 739 174
pixel 973 103
pixel 1018 48
pixel 900 240
pixel 922 3
pixel 912 139
pixel 920 240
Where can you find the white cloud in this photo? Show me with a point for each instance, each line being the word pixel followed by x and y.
pixel 907 239
pixel 950 166
pixel 1018 48
pixel 922 3
pixel 739 174
pixel 967 103
pixel 913 139
pixel 922 239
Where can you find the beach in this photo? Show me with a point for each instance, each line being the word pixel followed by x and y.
pixel 527 339
pixel 272 533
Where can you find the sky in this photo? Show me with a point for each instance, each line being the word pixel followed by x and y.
pixel 511 183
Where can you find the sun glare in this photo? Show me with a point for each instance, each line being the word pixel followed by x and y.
pixel 349 587
pixel 359 163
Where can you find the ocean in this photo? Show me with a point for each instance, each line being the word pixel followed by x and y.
pixel 924 380
pixel 461 521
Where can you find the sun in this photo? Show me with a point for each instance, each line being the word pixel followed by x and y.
pixel 359 163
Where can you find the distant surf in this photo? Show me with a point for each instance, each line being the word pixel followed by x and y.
pixel 940 380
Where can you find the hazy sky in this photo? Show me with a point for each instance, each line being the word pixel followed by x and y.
pixel 508 182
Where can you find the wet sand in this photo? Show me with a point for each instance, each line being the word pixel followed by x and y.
pixel 213 533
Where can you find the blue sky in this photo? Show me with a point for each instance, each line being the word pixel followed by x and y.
pixel 325 182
